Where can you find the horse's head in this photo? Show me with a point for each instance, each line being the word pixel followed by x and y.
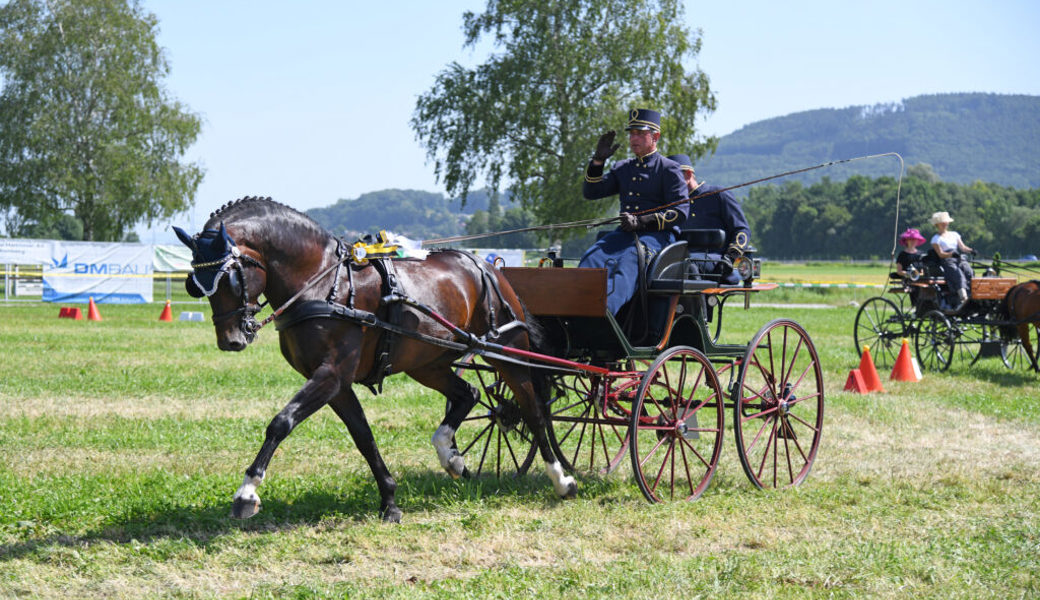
pixel 232 277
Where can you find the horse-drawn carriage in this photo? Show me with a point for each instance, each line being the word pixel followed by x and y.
pixel 584 390
pixel 659 393
pixel 915 309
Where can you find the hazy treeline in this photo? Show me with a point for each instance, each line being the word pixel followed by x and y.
pixel 856 218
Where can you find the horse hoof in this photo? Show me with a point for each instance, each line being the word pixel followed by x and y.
pixel 243 509
pixel 391 515
pixel 572 491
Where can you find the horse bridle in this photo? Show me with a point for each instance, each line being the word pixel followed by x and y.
pixel 231 265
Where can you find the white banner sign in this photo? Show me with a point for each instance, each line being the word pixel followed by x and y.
pixel 25 252
pixel 170 257
pixel 108 273
pixel 512 257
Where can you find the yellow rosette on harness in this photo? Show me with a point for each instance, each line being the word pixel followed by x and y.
pixel 365 249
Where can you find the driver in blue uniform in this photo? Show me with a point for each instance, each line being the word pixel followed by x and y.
pixel 651 190
pixel 714 208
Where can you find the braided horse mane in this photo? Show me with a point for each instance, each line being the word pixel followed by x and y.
pixel 260 208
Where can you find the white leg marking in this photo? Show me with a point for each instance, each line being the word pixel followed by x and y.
pixel 248 490
pixel 450 458
pixel 564 484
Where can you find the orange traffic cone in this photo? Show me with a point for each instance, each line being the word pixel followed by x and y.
pixel 167 313
pixel 870 375
pixel 855 383
pixel 92 311
pixel 905 368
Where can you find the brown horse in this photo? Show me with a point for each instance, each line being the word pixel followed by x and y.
pixel 332 313
pixel 1022 306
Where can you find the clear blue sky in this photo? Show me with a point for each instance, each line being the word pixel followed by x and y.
pixel 309 102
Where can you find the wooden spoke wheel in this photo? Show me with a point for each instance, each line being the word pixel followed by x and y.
pixel 934 342
pixel 778 406
pixel 493 438
pixel 880 326
pixel 676 428
pixel 588 428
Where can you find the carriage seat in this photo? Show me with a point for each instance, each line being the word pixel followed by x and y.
pixel 704 239
pixel 669 272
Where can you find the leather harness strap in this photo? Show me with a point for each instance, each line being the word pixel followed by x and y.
pixel 391 287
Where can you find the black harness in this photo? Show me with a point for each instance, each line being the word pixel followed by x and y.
pixel 393 299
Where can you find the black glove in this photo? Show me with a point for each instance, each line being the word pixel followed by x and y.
pixel 605 147
pixel 630 222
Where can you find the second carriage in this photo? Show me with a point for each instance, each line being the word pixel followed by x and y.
pixel 654 385
pixel 913 308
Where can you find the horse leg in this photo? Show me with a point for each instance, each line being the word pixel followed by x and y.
pixel 519 381
pixel 460 397
pixel 1033 354
pixel 348 408
pixel 314 394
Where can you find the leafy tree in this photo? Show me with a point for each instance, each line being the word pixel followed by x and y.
pixel 86 126
pixel 64 227
pixel 565 71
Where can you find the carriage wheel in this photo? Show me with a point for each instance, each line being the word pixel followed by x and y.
pixel 778 405
pixel 879 326
pixel 934 341
pixel 970 337
pixel 676 426
pixel 588 428
pixel 1013 352
pixel 493 437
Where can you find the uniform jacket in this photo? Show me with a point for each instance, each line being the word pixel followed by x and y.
pixel 642 184
pixel 712 209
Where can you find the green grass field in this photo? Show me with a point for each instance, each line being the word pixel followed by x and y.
pixel 123 440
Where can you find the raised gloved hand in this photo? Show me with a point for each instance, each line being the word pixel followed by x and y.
pixel 605 147
pixel 630 222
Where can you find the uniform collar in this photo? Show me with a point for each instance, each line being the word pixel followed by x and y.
pixel 644 159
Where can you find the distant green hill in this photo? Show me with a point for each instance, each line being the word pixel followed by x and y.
pixel 414 213
pixel 964 137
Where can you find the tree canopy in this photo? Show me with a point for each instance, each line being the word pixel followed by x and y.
pixel 86 125
pixel 564 71
pixel 856 218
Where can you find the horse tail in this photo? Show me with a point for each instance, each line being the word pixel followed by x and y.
pixel 541 343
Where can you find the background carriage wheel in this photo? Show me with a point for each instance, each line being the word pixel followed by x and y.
pixel 778 405
pixel 588 428
pixel 934 342
pixel 880 326
pixel 1013 353
pixel 970 336
pixel 677 423
pixel 493 437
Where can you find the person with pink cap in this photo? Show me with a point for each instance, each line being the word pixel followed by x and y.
pixel 908 261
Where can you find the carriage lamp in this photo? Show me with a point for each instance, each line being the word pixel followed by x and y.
pixel 744 267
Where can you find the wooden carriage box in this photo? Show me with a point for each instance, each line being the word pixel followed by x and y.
pixel 991 288
pixel 560 292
